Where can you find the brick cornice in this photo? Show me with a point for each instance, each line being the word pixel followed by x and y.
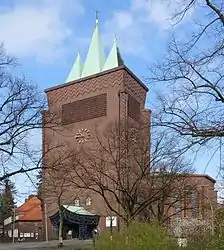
pixel 123 67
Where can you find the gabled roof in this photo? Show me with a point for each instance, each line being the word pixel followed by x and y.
pixel 30 210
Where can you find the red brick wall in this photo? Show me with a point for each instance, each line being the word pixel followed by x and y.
pixel 27 227
pixel 109 84
pixel 205 194
pixel 30 227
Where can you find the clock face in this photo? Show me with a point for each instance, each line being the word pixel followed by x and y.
pixel 82 135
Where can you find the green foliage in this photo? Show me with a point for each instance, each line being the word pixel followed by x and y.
pixel 39 184
pixel 138 236
pixel 219 219
pixel 7 199
pixel 206 241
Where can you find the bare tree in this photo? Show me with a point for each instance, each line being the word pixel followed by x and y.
pixel 120 169
pixel 219 219
pixel 174 199
pixel 193 68
pixel 56 191
pixel 203 216
pixel 21 104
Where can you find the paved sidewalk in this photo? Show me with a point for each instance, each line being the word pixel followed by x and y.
pixel 51 245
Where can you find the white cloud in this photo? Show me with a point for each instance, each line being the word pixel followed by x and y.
pixel 159 12
pixel 123 20
pixel 40 28
pixel 129 35
pixel 138 26
pixel 37 28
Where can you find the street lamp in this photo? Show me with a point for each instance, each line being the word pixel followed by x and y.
pixel 46 225
pixel 13 224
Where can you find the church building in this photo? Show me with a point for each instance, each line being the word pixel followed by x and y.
pixel 97 92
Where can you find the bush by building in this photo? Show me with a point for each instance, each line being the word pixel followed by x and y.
pixel 138 236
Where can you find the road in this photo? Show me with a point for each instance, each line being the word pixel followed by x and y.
pixel 51 245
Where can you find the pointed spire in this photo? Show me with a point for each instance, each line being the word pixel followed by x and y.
pixel 114 58
pixel 96 57
pixel 76 70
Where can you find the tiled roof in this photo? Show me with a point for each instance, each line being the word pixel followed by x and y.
pixel 30 210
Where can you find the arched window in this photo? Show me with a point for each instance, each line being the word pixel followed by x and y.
pixel 88 201
pixel 77 202
pixel 177 205
pixel 194 204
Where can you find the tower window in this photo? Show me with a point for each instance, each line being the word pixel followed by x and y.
pixel 177 206
pixel 88 201
pixel 133 108
pixel 194 204
pixel 85 109
pixel 77 202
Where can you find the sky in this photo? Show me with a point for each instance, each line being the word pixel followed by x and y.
pixel 45 36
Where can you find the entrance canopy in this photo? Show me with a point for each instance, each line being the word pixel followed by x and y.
pixel 75 215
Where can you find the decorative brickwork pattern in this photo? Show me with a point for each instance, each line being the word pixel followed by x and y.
pixel 86 109
pixel 77 103
pixel 69 93
pixel 134 88
pixel 123 106
pixel 133 108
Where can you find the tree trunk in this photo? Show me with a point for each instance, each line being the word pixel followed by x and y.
pixel 111 227
pixel 127 230
pixel 60 230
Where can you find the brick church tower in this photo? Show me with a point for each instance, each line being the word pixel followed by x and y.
pixel 97 93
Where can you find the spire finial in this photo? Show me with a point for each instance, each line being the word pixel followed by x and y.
pixel 95 53
pixel 97 16
pixel 115 38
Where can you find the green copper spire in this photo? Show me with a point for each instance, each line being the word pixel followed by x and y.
pixel 96 61
pixel 114 58
pixel 76 70
pixel 96 56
